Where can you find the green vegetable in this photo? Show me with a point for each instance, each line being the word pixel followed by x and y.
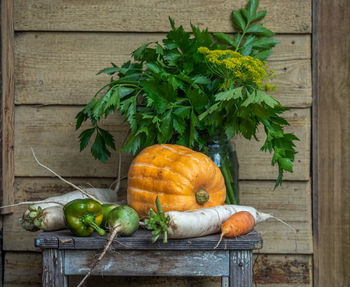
pixel 122 220
pixel 158 223
pixel 106 209
pixel 84 216
pixel 170 93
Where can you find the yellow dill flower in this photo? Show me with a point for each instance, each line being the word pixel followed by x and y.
pixel 203 50
pixel 233 66
pixel 269 87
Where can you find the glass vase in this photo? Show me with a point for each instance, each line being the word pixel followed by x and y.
pixel 222 151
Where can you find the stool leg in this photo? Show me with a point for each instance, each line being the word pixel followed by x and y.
pixel 53 269
pixel 241 268
pixel 225 281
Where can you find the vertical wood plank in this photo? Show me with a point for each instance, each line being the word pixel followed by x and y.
pixel 53 269
pixel 331 165
pixel 241 268
pixel 225 281
pixel 7 99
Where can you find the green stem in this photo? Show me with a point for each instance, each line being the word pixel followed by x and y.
pixel 228 180
pixel 159 207
pixel 90 221
pixel 128 83
pixel 243 33
pixel 163 220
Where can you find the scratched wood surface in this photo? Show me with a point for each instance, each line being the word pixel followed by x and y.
pixel 142 240
pixel 50 131
pixel 143 263
pixel 54 264
pixel 331 169
pixel 269 271
pixel 60 68
pixel 152 16
pixel 7 104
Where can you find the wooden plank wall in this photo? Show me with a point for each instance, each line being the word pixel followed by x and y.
pixel 331 159
pixel 58 48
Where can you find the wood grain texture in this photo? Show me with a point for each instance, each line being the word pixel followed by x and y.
pixel 60 68
pixel 142 240
pixel 149 263
pixel 332 137
pixel 22 269
pixel 53 268
pixel 289 270
pixel 269 271
pixel 241 268
pixel 291 202
pixel 7 104
pixel 51 132
pixel 283 16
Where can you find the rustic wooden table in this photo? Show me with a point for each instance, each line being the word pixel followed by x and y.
pixel 64 255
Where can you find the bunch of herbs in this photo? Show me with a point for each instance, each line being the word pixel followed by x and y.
pixel 169 93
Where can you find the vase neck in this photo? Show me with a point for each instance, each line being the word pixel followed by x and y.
pixel 218 139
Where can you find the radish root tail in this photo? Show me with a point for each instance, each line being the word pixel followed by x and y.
pixel 111 237
pixel 31 202
pixel 284 223
pixel 64 180
pixel 217 244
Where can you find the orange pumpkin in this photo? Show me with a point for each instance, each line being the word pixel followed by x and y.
pixel 182 178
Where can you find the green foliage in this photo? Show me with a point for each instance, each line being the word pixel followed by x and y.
pixel 169 94
pixel 158 223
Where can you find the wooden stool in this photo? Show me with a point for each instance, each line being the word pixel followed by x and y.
pixel 64 255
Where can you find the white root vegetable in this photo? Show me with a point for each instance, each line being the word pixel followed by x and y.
pixel 48 214
pixel 49 219
pixel 201 222
pixel 198 222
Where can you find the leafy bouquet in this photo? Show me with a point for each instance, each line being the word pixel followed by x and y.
pixel 192 86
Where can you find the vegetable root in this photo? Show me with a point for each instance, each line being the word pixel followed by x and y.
pixel 238 224
pixel 48 214
pixel 122 220
pixel 199 222
pixel 111 237
pixel 64 180
pixel 49 219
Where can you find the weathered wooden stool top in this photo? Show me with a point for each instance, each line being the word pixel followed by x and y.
pixel 141 240
pixel 65 255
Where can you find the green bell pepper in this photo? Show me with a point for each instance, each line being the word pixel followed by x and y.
pixel 84 216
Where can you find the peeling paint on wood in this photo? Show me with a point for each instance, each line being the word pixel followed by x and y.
pixel 286 269
pixel 29 265
pixel 150 263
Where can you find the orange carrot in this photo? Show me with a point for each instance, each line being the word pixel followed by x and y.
pixel 238 224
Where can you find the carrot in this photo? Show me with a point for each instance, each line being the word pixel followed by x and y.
pixel 238 224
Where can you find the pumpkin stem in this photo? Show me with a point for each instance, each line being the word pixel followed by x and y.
pixel 202 196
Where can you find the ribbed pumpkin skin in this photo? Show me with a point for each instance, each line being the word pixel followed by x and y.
pixel 174 173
